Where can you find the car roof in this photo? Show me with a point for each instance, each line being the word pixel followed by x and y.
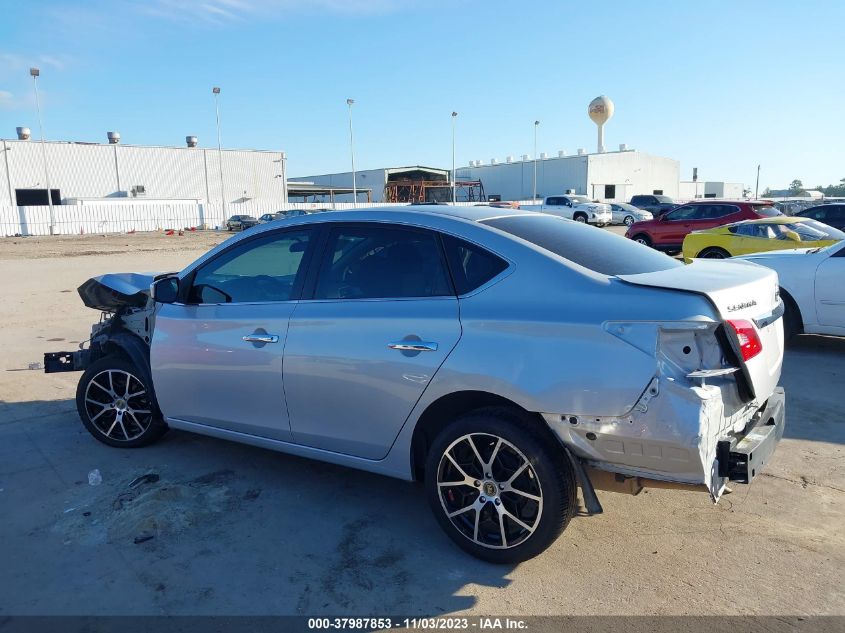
pixel 765 203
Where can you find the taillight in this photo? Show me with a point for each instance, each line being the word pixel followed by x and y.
pixel 749 341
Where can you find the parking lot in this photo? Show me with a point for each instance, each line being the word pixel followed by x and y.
pixel 232 529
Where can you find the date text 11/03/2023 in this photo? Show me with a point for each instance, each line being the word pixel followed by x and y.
pixel 420 624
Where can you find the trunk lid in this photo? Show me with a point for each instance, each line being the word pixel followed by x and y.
pixel 739 291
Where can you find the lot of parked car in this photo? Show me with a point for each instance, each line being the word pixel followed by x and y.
pixel 199 539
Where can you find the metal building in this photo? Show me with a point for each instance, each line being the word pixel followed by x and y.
pixel 609 177
pixel 94 170
pixel 401 184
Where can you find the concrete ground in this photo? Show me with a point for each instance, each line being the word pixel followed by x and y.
pixel 241 530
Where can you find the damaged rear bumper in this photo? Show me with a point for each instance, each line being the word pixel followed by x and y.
pixel 696 438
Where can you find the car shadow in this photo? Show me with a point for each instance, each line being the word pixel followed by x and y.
pixel 215 528
pixel 814 379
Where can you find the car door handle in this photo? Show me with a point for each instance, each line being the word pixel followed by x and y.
pixel 413 346
pixel 261 338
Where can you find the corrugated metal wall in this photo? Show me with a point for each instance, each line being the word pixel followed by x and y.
pixel 81 170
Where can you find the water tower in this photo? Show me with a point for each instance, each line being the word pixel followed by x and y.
pixel 600 111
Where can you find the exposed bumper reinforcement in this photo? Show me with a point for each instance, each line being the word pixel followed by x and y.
pixel 742 458
pixel 55 362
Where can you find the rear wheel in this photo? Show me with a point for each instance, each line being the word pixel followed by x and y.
pixel 580 217
pixel 714 252
pixel 501 491
pixel 643 239
pixel 115 404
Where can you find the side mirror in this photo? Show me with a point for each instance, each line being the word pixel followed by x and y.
pixel 165 290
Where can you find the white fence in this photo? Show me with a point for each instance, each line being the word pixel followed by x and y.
pixel 123 217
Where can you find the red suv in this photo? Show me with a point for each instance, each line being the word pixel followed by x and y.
pixel 667 232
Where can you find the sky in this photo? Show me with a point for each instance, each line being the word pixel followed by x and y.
pixel 719 85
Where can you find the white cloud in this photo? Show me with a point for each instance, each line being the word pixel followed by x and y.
pixel 221 11
pixel 11 101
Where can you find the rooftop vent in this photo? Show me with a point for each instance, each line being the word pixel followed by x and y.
pixel 508 159
pixel 191 141
pixel 561 153
pixel 526 157
pixel 581 151
pixel 623 147
pixel 114 137
pixel 23 133
pixel 543 156
pixel 493 161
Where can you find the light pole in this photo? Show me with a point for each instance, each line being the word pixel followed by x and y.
pixel 349 103
pixel 757 186
pixel 216 91
pixel 35 73
pixel 534 195
pixel 454 194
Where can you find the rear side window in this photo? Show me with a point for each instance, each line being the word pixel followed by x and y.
pixel 382 262
pixel 471 265
pixel 600 251
pixel 766 210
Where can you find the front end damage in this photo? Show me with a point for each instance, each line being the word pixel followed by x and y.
pixel 694 426
pixel 126 321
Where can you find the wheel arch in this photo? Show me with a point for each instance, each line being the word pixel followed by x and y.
pixel 134 350
pixel 445 410
pixel 791 303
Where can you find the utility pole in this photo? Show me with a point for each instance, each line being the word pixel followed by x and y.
pixel 454 194
pixel 534 195
pixel 757 186
pixel 349 103
pixel 216 91
pixel 35 73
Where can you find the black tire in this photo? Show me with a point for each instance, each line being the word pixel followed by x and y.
pixel 714 252
pixel 580 217
pixel 116 405
pixel 520 442
pixel 629 220
pixel 793 324
pixel 643 239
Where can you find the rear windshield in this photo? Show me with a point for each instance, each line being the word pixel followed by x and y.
pixel 766 210
pixel 599 250
pixel 664 200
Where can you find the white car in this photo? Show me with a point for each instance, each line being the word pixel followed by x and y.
pixel 574 207
pixel 627 214
pixel 812 287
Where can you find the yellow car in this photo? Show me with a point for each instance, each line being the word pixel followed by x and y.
pixel 753 236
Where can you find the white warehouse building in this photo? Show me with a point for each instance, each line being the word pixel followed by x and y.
pixel 609 176
pixel 84 171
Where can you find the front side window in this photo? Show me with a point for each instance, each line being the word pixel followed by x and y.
pixel 260 270
pixel 382 262
pixel 687 212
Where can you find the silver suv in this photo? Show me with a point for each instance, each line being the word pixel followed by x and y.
pixel 505 358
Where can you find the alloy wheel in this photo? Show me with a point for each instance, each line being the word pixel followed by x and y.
pixel 118 405
pixel 489 491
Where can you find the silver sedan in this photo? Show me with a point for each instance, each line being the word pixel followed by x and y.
pixel 627 214
pixel 504 358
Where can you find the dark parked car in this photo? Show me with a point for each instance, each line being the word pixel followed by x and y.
pixel 240 222
pixel 830 214
pixel 658 205
pixel 667 232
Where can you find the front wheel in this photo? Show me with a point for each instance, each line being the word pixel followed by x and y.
pixel 116 404
pixel 499 489
pixel 580 217
pixel 629 220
